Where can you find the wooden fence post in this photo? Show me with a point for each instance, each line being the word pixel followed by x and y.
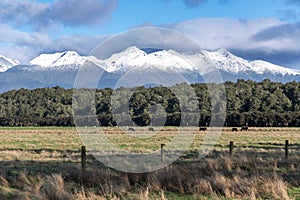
pixel 162 152
pixel 83 157
pixel 231 147
pixel 286 148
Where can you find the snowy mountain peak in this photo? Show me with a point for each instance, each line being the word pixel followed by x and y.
pixel 7 63
pixel 58 59
pixel 224 52
pixel 134 58
pixel 228 62
pixel 129 53
pixel 132 49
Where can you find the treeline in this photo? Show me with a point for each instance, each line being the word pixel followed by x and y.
pixel 263 103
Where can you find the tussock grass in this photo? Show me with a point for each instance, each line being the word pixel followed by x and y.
pixel 45 164
pixel 217 176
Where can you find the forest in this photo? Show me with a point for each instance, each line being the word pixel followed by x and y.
pixel 248 102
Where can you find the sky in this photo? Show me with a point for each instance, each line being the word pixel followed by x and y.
pixel 257 29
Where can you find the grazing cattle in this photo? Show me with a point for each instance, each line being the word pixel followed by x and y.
pixel 244 128
pixel 131 129
pixel 234 129
pixel 202 129
pixel 151 129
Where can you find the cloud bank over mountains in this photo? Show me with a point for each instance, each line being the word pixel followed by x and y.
pixel 28 28
pixel 267 39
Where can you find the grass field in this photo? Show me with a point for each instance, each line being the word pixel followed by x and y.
pixel 44 163
pixel 63 139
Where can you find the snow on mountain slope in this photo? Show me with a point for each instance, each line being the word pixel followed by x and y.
pixel 7 63
pixel 226 61
pixel 133 58
pixel 262 67
pixel 58 59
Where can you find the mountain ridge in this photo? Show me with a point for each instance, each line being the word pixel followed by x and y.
pixel 7 63
pixel 58 59
pixel 133 56
pixel 61 68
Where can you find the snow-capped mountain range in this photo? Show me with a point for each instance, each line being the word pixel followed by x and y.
pixel 166 59
pixel 60 69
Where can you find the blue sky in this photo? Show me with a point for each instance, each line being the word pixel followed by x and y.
pixel 256 29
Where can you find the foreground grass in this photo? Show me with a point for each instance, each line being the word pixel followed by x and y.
pixel 218 176
pixel 45 164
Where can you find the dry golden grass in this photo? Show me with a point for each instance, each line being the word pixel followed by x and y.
pixel 217 176
pixel 45 164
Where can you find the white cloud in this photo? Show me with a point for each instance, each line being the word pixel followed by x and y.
pixel 146 37
pixel 214 33
pixel 23 46
pixel 268 39
pixel 25 25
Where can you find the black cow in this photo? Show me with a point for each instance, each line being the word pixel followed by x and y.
pixel 244 128
pixel 151 129
pixel 202 129
pixel 234 129
pixel 131 129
